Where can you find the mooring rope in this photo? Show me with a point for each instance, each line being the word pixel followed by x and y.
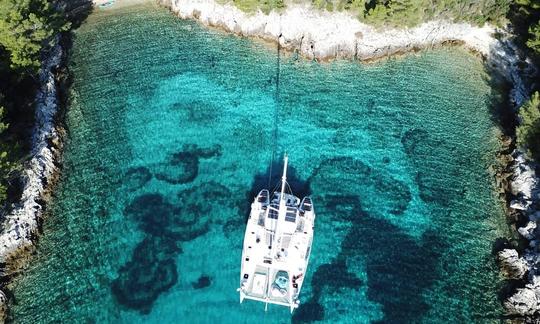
pixel 276 111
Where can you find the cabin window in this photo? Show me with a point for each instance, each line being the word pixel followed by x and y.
pixel 290 215
pixel 272 212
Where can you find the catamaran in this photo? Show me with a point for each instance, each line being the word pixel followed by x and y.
pixel 277 245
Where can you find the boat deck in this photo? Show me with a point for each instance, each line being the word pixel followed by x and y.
pixel 276 250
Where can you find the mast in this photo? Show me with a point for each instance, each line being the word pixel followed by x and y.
pixel 282 208
pixel 277 233
pixel 283 179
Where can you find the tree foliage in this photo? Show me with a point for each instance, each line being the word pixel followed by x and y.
pixel 264 5
pixel 534 37
pixel 525 16
pixel 26 26
pixel 413 12
pixel 528 132
pixel 26 30
pixel 402 12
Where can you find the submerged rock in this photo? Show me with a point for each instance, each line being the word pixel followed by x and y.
pixel 156 216
pixel 394 194
pixel 183 166
pixel 151 271
pixel 308 312
pixel 137 177
pixel 512 266
pixel 202 282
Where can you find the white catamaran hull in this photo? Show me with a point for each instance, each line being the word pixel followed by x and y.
pixel 277 245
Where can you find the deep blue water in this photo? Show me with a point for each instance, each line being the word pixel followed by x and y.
pixel 170 135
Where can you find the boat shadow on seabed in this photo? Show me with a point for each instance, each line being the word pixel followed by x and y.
pixel 270 179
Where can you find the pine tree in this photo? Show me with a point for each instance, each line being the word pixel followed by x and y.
pixel 26 26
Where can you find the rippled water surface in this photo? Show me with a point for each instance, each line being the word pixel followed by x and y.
pixel 170 135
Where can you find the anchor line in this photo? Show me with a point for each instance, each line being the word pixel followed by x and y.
pixel 276 110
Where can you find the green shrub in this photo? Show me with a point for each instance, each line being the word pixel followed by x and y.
pixel 401 13
pixel 413 12
pixel 264 5
pixel 25 28
pixel 528 132
pixel 534 41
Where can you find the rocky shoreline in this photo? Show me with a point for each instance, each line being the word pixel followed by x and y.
pixel 21 226
pixel 524 207
pixel 325 35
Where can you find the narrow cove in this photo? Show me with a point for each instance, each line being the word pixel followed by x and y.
pixel 170 135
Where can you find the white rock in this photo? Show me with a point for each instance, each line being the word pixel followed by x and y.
pixel 524 180
pixel 528 231
pixel 520 204
pixel 323 34
pixel 512 266
pixel 21 225
pixel 524 302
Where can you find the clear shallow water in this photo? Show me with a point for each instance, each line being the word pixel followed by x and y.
pixel 170 136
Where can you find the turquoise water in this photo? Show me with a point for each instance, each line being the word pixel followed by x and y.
pixel 170 135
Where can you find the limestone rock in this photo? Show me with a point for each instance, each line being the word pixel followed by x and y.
pixel 21 226
pixel 520 204
pixel 512 266
pixel 524 181
pixel 528 231
pixel 324 35
pixel 526 301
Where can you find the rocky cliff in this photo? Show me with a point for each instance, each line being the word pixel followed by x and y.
pixel 21 226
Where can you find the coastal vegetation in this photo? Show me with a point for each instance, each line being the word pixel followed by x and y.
pixel 413 12
pixel 264 5
pixel 528 132
pixel 525 16
pixel 26 29
pixel 401 13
